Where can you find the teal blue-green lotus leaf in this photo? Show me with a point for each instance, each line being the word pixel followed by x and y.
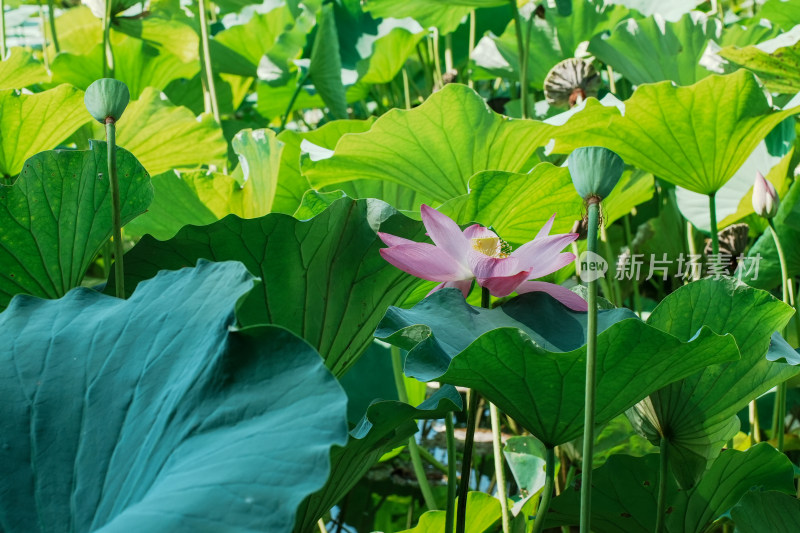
pixel 385 426
pixel 152 414
pixel 528 357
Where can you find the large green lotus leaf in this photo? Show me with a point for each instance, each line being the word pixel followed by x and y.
pixel 137 63
pixel 533 346
pixel 764 254
pixel 776 62
pixel 175 204
pixel 387 51
pixel 239 49
pixel 698 414
pixel 57 215
pixel 483 514
pixel 30 123
pixel 163 136
pixel 435 148
pixel 119 419
pixel 552 39
pixel 782 13
pixel 20 70
pixel 665 129
pixel 292 185
pixel 330 262
pixel 625 491
pixel 446 15
pixel 278 65
pixel 734 200
pixel 166 26
pixel 633 188
pixel 648 51
pixel 259 157
pixel 770 510
pixel 78 31
pixel 518 205
pixel 199 197
pixel 385 426
pixel 325 66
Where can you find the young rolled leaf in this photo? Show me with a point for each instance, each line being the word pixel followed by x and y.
pixel 533 346
pixel 330 262
pixel 119 420
pixel 57 215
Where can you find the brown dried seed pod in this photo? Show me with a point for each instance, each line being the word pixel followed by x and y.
pixel 569 81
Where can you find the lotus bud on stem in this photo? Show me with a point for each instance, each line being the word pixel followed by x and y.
pixel 595 171
pixel 766 203
pixel 106 100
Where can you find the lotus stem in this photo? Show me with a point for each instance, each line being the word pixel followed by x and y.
pixel 591 352
pixel 452 474
pixel 780 396
pixel 637 300
pixel 45 59
pixel 321 526
pixel 522 51
pixel 499 466
pixel 469 440
pixel 2 30
pixel 448 52
pixel 116 216
pixel 413 448
pixel 427 456
pixel 470 48
pixel 108 52
pixel 406 90
pixel 547 491
pixel 712 211
pixel 291 102
pixel 434 51
pixel 466 462
pixel 51 14
pixel 614 288
pixel 663 474
pixel 212 90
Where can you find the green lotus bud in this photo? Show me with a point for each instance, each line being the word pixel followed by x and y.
pixel 595 171
pixel 765 197
pixel 107 98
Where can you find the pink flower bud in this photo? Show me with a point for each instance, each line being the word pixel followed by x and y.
pixel 765 198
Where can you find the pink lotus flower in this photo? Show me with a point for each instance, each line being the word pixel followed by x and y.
pixel 457 257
